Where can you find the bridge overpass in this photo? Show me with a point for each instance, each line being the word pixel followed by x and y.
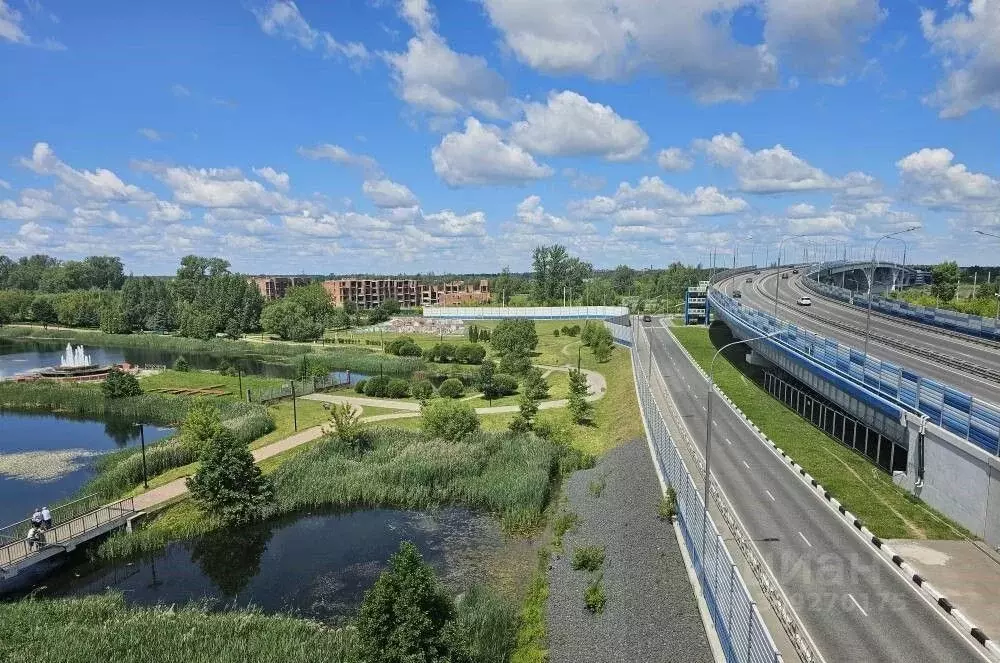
pixel 934 396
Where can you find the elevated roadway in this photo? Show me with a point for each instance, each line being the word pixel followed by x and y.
pixel 855 605
pixel 888 336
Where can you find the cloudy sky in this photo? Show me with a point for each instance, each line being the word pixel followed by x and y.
pixel 411 135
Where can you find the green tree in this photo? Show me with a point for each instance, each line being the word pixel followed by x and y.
pixel 535 384
pixel 315 300
pixel 228 484
pixel 290 321
pixel 484 378
pixel 422 390
pixel 527 408
pixel 945 283
pixel 579 407
pixel 120 384
pixel 602 349
pixel 181 365
pixel 448 419
pixel 451 388
pixel 514 335
pixel 113 318
pixel 390 306
pixel 201 425
pixel 344 424
pixel 406 616
pixel 42 311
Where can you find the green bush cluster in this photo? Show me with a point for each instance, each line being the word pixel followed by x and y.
pixel 449 420
pixel 570 331
pixel 451 388
pixel 505 384
pixel 403 347
pixel 462 353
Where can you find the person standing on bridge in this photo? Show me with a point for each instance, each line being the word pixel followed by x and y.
pixel 36 518
pixel 47 517
pixel 35 539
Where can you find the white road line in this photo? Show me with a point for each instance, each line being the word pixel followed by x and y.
pixel 805 539
pixel 728 441
pixel 855 601
pixel 746 464
pixel 770 495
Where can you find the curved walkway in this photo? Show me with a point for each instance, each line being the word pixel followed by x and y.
pixel 596 385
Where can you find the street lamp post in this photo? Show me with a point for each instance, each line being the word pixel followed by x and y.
pixel 777 277
pixel 997 318
pixel 871 283
pixel 708 428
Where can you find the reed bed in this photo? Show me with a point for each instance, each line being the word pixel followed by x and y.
pixel 87 400
pixel 104 628
pixel 503 473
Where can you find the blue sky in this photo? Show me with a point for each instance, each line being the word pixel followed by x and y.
pixel 408 135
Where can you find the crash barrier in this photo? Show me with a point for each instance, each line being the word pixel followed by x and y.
pixel 961 414
pixel 532 312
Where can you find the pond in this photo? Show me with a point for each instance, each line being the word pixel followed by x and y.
pixel 315 565
pixel 46 458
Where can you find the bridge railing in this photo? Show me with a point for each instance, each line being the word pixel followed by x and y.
pixel 741 629
pixel 967 417
pixel 60 514
pixel 963 323
pixel 63 531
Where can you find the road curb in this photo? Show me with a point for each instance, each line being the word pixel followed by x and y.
pixel 959 618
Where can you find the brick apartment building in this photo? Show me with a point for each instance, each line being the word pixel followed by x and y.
pixel 275 287
pixel 369 293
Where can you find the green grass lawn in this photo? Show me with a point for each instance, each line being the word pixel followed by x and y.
pixel 888 510
pixel 170 379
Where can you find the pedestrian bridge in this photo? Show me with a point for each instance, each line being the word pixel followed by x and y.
pixel 73 524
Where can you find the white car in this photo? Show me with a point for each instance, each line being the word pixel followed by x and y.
pixel 804 301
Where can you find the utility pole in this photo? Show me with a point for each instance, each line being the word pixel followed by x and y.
pixel 142 441
pixel 295 412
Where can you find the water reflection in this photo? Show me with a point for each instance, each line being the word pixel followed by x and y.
pixel 317 565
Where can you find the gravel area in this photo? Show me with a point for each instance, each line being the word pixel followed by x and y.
pixel 651 614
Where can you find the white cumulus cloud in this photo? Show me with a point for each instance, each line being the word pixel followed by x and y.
pixel 282 18
pixel 930 177
pixel 674 159
pixel 387 194
pixel 480 156
pixel 278 180
pixel 100 184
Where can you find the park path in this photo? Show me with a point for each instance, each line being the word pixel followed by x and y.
pixel 169 491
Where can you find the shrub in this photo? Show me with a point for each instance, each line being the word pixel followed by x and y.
pixel 535 385
pixel 564 522
pixel 588 558
pixel 181 364
pixel 451 388
pixel 202 425
pixel 555 332
pixel 406 613
pixel 403 347
pixel 449 420
pixel 359 386
pixel 470 353
pixel 120 384
pixel 505 384
pixel 225 367
pixel 344 425
pixel 446 351
pixel 228 484
pixel 397 388
pixel 515 363
pixel 422 389
pixel 668 505
pixel 514 335
pixel 377 386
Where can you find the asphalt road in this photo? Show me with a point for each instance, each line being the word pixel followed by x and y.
pixel 854 605
pixel 760 295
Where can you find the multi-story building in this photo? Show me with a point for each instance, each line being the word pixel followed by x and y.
pixel 275 287
pixel 369 293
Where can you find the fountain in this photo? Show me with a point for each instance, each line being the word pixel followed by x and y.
pixel 74 358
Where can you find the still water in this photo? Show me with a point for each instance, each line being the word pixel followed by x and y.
pixel 315 565
pixel 46 458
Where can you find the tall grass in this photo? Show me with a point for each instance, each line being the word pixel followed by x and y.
pixel 88 400
pixel 104 628
pixel 503 473
pixel 121 471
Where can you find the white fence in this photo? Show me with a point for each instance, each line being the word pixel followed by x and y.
pixel 532 312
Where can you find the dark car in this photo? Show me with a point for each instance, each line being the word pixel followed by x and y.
pixel 785 275
pixel 646 318
pixel 749 280
pixel 737 294
pixel 795 271
pixel 757 272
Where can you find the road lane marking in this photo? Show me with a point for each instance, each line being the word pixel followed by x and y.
pixel 855 601
pixel 728 441
pixel 805 539
pixel 747 465
pixel 770 495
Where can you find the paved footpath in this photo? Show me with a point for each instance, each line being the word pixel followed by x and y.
pixel 156 496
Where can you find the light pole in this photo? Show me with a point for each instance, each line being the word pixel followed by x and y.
pixel 777 277
pixel 871 283
pixel 736 249
pixel 986 234
pixel 708 428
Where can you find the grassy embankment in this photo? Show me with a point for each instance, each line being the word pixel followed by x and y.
pixel 105 628
pixel 509 475
pixel 888 510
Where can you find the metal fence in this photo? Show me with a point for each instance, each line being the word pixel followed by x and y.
pixel 621 333
pixel 60 514
pixel 961 414
pixel 738 622
pixel 63 531
pixel 300 387
pixel 532 312
pixel 963 323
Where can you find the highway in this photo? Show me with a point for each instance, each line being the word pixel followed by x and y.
pixel 760 295
pixel 855 605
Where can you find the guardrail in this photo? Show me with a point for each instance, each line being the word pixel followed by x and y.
pixel 741 629
pixel 962 323
pixel 299 387
pixel 63 532
pixel 961 414
pixel 60 514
